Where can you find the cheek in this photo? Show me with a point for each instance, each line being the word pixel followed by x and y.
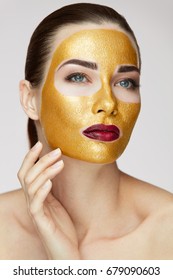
pixel 128 115
pixel 127 96
pixel 63 111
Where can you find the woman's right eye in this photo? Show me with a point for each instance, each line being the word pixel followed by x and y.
pixel 77 78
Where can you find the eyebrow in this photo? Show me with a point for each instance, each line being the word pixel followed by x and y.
pixel 128 68
pixel 83 63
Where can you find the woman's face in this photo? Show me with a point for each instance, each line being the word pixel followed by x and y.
pixel 90 99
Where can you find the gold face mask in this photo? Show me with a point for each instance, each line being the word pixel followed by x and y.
pixel 90 99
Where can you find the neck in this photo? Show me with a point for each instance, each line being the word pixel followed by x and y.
pixel 88 192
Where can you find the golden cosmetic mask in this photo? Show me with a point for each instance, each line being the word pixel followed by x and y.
pixel 95 96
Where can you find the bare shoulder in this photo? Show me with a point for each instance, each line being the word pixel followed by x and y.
pixel 163 230
pixel 17 233
pixel 10 203
pixel 156 205
pixel 13 211
pixel 12 214
pixel 152 199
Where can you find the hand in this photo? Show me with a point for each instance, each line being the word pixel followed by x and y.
pixel 52 221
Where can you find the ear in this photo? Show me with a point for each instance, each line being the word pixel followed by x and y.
pixel 28 100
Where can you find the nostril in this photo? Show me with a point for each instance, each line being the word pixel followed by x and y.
pixel 114 112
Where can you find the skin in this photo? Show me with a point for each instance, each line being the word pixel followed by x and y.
pixel 100 91
pixel 80 210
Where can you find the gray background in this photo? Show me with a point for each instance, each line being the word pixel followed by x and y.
pixel 149 154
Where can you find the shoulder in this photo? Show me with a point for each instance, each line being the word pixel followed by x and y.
pixel 13 209
pixel 156 206
pixel 18 236
pixel 15 223
pixel 147 197
pixel 11 203
pixel 162 232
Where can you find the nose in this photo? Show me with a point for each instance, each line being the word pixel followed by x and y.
pixel 105 102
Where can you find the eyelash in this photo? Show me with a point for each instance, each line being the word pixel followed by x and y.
pixel 69 77
pixel 134 84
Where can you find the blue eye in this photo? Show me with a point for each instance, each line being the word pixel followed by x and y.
pixel 127 84
pixel 77 78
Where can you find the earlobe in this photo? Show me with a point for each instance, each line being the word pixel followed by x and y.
pixel 28 99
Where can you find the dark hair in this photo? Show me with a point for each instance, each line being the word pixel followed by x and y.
pixel 40 44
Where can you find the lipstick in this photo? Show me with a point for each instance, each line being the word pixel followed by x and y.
pixel 102 132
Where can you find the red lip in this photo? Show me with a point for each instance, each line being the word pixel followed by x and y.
pixel 102 132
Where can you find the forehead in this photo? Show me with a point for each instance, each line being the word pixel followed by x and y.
pixel 97 45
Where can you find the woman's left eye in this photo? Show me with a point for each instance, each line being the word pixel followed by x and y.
pixel 77 78
pixel 127 84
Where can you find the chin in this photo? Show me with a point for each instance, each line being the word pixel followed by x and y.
pixel 97 159
pixel 97 153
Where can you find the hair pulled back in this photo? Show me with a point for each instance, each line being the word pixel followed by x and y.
pixel 41 41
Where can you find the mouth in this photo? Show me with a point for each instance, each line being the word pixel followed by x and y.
pixel 101 132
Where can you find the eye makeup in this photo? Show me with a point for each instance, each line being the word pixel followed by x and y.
pixel 92 87
pixel 78 77
pixel 128 84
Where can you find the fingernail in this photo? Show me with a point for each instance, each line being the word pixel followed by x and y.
pixel 57 164
pixel 54 153
pixel 35 147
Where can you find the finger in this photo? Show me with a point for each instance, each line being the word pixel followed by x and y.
pixel 36 206
pixel 41 166
pixel 40 181
pixel 29 161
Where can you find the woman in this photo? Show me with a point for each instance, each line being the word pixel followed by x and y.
pixel 81 94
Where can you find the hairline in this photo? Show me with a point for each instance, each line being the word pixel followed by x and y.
pixel 56 39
